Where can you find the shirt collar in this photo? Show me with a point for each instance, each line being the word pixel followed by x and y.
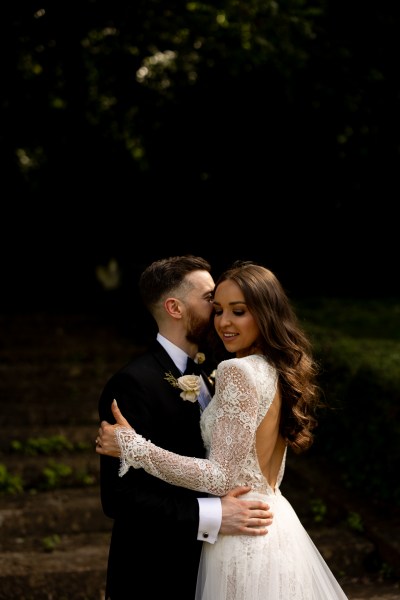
pixel 177 354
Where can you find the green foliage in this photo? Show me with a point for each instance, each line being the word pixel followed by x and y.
pixel 51 542
pixel 387 571
pixel 366 319
pixel 358 346
pixel 319 509
pixel 84 478
pixel 9 484
pixel 56 444
pixel 55 475
pixel 355 522
pixel 58 475
pixel 42 445
pixel 115 61
pixel 145 87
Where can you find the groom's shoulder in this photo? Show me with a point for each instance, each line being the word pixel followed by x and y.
pixel 152 359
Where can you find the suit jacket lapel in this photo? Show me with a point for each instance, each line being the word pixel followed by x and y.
pixel 168 365
pixel 166 362
pixel 209 384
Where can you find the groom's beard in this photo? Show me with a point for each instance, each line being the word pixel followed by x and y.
pixel 198 329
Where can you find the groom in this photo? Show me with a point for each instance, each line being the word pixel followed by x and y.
pixel 159 528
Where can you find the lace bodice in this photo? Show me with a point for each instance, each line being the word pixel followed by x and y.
pixel 245 389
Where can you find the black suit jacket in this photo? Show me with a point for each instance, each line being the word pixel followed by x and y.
pixel 154 543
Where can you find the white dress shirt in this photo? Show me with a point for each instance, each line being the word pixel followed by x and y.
pixel 210 509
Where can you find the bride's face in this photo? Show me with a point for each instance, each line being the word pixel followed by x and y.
pixel 233 321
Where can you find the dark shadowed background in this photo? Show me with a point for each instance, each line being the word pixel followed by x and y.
pixel 131 131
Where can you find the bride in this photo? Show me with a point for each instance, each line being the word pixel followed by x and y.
pixel 264 403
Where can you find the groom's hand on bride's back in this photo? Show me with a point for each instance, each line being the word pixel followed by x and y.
pixel 244 517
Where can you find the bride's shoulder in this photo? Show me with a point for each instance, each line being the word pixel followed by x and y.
pixel 254 363
pixel 243 364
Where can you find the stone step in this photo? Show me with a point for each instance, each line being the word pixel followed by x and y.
pixel 25 520
pixel 54 544
pixel 72 525
pixel 379 527
pixel 80 436
pixel 58 471
pixel 44 447
pixel 74 570
pixel 29 397
pixel 372 591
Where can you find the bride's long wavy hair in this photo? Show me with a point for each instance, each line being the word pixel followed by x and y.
pixel 287 347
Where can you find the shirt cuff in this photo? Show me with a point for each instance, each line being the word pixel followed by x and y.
pixel 210 518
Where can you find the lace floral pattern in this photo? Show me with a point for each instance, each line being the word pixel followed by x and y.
pixel 245 389
pixel 284 564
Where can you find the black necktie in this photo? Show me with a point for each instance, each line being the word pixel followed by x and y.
pixel 192 368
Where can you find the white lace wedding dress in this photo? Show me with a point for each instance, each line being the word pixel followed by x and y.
pixel 282 565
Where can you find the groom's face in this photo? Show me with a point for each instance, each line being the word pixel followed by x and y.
pixel 199 306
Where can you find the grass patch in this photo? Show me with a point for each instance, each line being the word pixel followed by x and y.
pixel 357 343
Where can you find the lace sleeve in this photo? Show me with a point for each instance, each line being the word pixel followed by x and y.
pixel 232 437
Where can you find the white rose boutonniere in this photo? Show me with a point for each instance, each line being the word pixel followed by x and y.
pixel 200 357
pixel 189 384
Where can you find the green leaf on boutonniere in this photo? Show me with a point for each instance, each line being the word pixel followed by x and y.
pixel 189 384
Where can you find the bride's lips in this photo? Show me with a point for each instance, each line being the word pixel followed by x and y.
pixel 227 337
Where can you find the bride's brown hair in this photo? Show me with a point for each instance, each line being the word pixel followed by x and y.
pixel 286 346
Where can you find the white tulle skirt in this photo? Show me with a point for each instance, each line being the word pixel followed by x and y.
pixel 285 564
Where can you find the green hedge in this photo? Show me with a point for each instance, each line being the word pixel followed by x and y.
pixel 357 343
